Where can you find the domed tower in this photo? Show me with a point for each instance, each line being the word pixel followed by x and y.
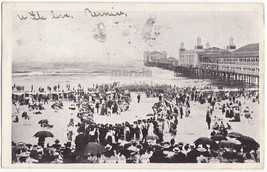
pixel 182 47
pixel 199 46
pixel 231 46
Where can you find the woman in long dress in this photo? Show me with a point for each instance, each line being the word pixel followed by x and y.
pixel 151 129
pixel 166 126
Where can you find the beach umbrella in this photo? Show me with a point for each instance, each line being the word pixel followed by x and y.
pixel 218 137
pixel 152 137
pixel 248 141
pixel 43 134
pixel 226 144
pixel 234 135
pixel 94 148
pixel 205 141
pixel 43 121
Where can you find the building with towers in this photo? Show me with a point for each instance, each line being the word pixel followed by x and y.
pixel 231 47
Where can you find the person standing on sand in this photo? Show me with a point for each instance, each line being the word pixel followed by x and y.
pixel 208 120
pixel 138 98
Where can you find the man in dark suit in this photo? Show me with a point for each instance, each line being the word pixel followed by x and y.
pixel 138 98
pixel 192 155
pixel 80 142
pixel 158 156
pixel 178 157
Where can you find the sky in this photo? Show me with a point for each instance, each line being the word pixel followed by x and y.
pixel 124 38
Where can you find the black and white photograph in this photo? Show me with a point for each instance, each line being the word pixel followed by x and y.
pixel 133 83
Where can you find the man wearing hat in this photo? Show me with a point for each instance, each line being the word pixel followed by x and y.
pixel 192 154
pixel 179 156
pixel 158 156
pixel 80 143
pixel 67 152
pixel 56 145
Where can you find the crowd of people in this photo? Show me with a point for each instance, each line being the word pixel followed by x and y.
pixel 143 140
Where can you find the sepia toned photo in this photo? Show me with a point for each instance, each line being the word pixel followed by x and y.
pixel 133 85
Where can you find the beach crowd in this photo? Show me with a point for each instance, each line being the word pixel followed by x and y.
pixel 144 140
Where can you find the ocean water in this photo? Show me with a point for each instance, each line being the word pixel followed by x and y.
pixel 89 73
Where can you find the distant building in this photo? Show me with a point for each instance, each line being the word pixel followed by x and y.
pixel 154 56
pixel 189 58
pixel 159 59
pixel 244 60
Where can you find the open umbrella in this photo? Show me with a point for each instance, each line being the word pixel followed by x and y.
pixel 205 141
pixel 152 137
pixel 43 134
pixel 234 135
pixel 248 141
pixel 226 144
pixel 94 148
pixel 43 121
pixel 218 137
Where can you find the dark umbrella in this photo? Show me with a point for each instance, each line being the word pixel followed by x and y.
pixel 43 121
pixel 218 137
pixel 43 134
pixel 248 141
pixel 152 137
pixel 94 148
pixel 226 144
pixel 234 135
pixel 205 141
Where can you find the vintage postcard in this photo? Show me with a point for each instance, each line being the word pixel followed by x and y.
pixel 133 85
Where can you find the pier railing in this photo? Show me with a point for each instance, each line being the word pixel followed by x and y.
pixel 232 76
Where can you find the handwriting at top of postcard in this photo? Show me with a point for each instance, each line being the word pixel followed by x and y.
pixel 35 15
pixel 131 86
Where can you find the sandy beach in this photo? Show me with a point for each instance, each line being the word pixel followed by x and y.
pixel 189 128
